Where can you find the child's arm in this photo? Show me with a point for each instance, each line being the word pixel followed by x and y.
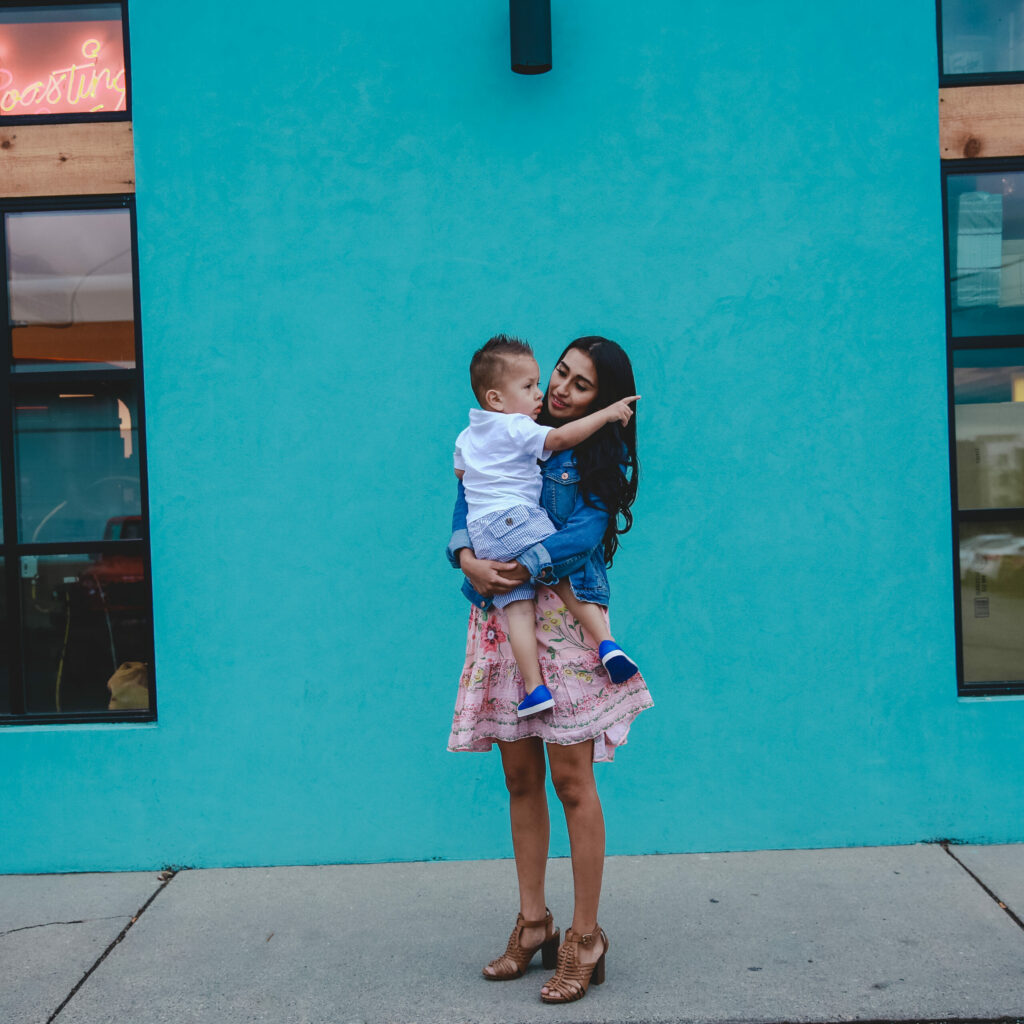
pixel 572 434
pixel 460 473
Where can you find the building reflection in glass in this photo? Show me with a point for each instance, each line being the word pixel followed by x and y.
pixel 77 461
pixel 986 253
pixel 992 600
pixel 988 388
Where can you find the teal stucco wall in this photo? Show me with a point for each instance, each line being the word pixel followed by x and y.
pixel 336 204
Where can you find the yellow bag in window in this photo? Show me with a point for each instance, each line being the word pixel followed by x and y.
pixel 129 687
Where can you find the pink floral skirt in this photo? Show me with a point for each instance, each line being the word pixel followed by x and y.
pixel 587 704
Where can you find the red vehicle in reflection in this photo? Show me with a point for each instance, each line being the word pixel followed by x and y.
pixel 113 583
pixel 105 619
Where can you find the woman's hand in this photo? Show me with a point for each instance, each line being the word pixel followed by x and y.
pixel 489 578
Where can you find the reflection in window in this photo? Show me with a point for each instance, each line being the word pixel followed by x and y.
pixel 988 387
pixel 77 461
pixel 5 699
pixel 986 253
pixel 992 600
pixel 61 59
pixel 982 36
pixel 71 289
pixel 85 632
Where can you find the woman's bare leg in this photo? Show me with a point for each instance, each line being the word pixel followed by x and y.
pixel 523 763
pixel 522 638
pixel 572 772
pixel 589 616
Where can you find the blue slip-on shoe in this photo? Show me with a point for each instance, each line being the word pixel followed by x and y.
pixel 619 665
pixel 539 700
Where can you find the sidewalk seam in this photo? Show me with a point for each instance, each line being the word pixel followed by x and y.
pixel 168 877
pixel 999 903
pixel 51 924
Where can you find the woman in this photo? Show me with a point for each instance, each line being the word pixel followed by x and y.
pixel 585 492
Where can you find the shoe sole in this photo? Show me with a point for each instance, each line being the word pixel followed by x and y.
pixel 629 664
pixel 543 706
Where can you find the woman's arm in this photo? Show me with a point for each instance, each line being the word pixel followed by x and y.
pixel 460 535
pixel 487 578
pixel 564 552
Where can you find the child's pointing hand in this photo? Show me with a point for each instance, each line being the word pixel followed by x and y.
pixel 621 410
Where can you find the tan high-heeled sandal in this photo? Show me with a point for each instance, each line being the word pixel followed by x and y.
pixel 560 987
pixel 516 958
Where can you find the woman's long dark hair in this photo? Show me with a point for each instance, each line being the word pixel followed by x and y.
pixel 607 461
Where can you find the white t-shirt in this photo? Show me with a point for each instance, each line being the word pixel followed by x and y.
pixel 499 453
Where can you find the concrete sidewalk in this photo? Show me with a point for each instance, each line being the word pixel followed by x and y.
pixel 896 933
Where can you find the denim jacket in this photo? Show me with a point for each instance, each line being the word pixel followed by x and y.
pixel 575 550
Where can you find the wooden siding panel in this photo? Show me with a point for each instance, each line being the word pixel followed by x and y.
pixel 66 159
pixel 981 121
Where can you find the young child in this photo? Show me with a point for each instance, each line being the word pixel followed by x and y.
pixel 496 457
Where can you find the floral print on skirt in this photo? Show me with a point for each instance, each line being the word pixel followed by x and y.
pixel 587 704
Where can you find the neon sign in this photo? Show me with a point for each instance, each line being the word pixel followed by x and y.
pixel 34 79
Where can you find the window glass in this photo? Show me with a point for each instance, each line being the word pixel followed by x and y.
pixel 77 461
pixel 84 633
pixel 982 36
pixel 988 387
pixel 986 253
pixel 5 688
pixel 71 289
pixel 992 600
pixel 61 60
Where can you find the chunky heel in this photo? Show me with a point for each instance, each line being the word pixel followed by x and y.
pixel 571 980
pixel 516 958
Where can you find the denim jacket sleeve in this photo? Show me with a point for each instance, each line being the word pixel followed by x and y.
pixel 557 556
pixel 460 535
pixel 565 551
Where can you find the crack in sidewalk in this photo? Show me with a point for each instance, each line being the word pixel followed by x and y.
pixel 50 924
pixel 167 877
pixel 999 903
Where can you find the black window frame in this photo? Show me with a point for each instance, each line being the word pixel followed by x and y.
pixel 12 549
pixel 952 168
pixel 87 117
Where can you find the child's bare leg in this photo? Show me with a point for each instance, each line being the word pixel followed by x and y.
pixel 588 615
pixel 522 638
pixel 619 665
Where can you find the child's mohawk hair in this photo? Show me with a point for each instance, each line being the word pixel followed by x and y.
pixel 489 362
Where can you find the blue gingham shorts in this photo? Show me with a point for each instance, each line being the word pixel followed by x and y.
pixel 503 535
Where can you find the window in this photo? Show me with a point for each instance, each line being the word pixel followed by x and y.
pixel 982 41
pixel 984 204
pixel 63 62
pixel 75 597
pixel 986 253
